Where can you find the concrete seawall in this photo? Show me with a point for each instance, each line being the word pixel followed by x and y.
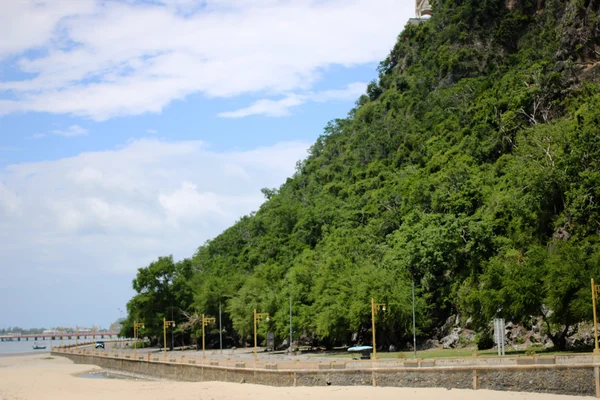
pixel 573 379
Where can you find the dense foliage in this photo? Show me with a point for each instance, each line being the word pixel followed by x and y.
pixel 471 164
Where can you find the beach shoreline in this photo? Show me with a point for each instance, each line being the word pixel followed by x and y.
pixel 33 377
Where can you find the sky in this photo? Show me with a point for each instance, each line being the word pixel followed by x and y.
pixel 136 129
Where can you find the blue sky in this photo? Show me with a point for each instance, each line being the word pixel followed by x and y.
pixel 131 130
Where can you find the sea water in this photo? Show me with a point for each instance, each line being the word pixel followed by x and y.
pixel 23 346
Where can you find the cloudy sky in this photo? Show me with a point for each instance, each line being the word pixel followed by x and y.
pixel 133 129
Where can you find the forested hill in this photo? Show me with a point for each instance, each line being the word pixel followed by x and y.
pixel 472 163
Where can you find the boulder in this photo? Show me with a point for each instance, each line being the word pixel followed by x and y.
pixel 451 341
pixel 448 324
pixel 429 344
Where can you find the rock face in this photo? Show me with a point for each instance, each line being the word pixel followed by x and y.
pixel 451 341
pixel 430 344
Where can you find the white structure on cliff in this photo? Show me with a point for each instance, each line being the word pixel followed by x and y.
pixel 422 8
pixel 422 12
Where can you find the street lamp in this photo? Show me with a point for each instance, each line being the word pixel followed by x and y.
pixel 257 318
pixel 165 325
pixel 375 307
pixel 136 328
pixel 205 322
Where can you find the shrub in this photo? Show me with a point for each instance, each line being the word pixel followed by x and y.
pixel 530 352
pixel 484 340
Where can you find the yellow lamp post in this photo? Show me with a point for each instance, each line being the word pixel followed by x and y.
pixel 257 318
pixel 375 307
pixel 136 329
pixel 205 322
pixel 165 325
pixel 595 292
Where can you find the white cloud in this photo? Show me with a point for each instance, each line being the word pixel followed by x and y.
pixel 26 24
pixel 73 130
pixel 281 108
pixel 350 92
pixel 105 59
pixel 151 131
pixel 10 204
pixel 38 136
pixel 80 227
pixel 121 209
pixel 270 108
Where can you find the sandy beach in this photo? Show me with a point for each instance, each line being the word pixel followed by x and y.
pixel 41 377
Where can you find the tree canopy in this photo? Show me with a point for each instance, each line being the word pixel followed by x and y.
pixel 472 164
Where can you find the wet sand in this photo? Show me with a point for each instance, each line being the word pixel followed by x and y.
pixel 37 377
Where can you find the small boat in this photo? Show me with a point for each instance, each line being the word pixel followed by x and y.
pixel 38 347
pixel 365 351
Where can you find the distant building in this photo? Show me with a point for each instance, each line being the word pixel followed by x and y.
pixel 422 9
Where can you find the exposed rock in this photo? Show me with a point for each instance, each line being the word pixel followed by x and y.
pixel 448 324
pixel 429 344
pixel 467 335
pixel 284 345
pixel 468 322
pixel 561 234
pixel 451 341
pixel 580 336
pixel 392 348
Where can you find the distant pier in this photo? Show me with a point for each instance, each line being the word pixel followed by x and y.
pixel 59 336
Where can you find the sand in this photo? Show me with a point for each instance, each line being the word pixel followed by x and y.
pixel 37 377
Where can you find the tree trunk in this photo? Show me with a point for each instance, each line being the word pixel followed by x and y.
pixel 559 339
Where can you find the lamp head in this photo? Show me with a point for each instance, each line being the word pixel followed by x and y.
pixel 267 318
pixel 383 308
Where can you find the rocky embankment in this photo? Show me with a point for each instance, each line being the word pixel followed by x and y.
pixel 518 337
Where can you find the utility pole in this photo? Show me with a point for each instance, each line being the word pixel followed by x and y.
pixel 414 322
pixel 220 330
pixel 291 331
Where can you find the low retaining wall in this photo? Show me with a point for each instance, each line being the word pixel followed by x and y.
pixel 579 379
